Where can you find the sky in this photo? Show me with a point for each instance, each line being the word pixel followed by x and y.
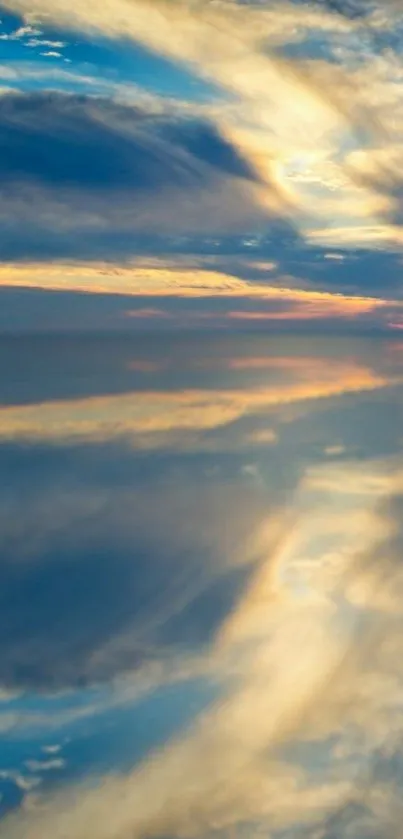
pixel 201 391
pixel 209 164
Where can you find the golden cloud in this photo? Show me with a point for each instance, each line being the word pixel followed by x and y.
pixel 157 280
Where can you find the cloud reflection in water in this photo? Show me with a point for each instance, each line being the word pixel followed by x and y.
pixel 201 547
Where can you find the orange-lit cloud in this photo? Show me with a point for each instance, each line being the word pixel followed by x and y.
pixel 302 366
pixel 159 281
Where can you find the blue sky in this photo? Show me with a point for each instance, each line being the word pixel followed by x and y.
pixel 188 148
pixel 121 61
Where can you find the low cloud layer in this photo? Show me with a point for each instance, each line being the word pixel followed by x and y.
pixel 196 292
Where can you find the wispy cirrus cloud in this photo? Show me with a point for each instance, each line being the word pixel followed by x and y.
pixel 291 116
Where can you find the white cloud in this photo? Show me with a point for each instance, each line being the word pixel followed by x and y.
pixel 45 765
pixel 23 782
pixel 42 42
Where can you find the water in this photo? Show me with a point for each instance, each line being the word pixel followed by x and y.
pixel 200 585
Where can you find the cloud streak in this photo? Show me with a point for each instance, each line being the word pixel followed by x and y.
pixel 208 296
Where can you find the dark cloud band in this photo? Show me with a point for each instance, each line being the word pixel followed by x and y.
pixel 76 168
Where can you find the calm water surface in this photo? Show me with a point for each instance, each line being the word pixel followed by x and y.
pixel 201 587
